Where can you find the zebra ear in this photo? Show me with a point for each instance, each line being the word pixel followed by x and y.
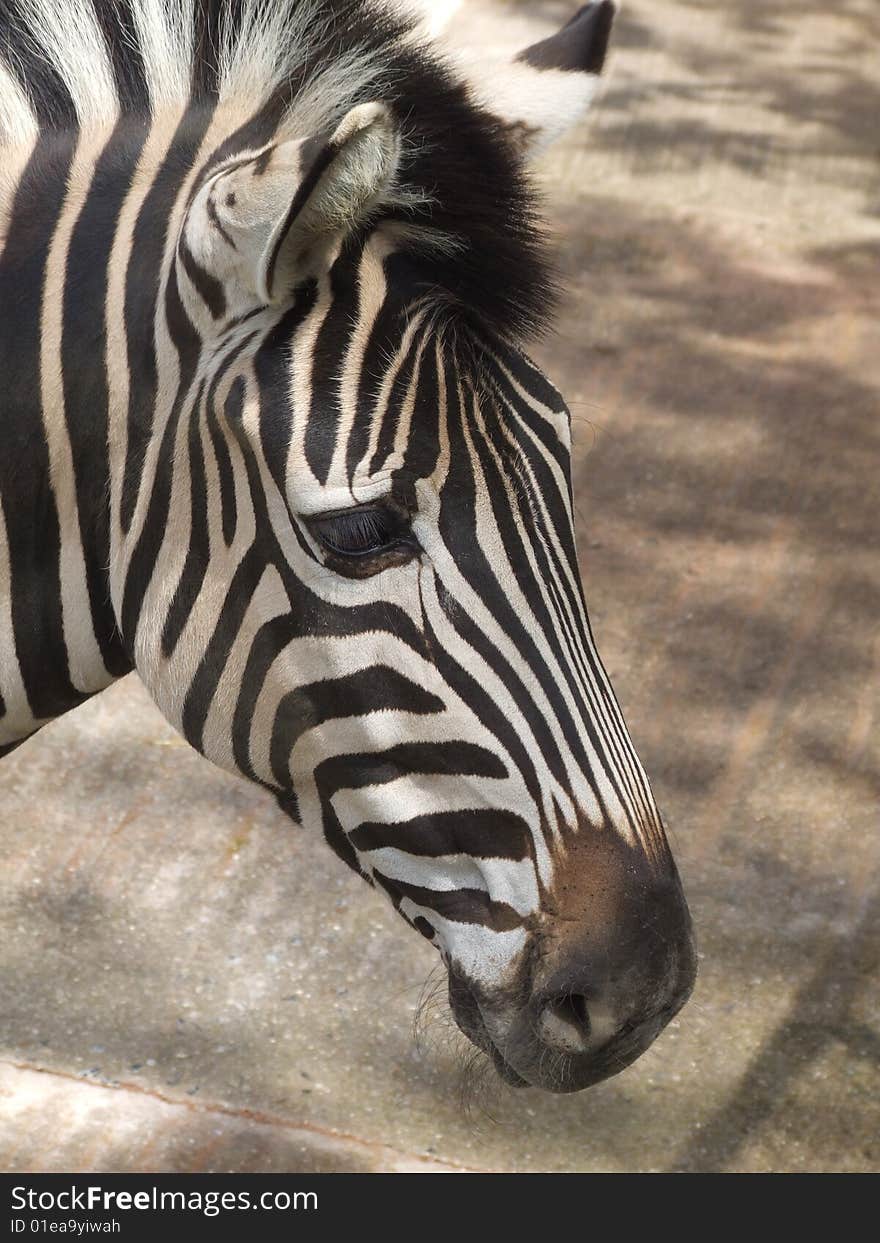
pixel 270 221
pixel 550 85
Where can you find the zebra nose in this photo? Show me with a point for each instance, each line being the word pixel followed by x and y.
pixel 612 992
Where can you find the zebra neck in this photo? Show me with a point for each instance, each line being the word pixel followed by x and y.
pixel 58 637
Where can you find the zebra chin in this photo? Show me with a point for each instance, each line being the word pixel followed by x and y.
pixel 608 963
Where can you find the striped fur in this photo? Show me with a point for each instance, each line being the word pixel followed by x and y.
pixel 265 271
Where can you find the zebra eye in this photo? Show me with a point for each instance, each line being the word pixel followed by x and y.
pixel 363 533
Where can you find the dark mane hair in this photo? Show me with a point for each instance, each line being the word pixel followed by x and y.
pixel 466 176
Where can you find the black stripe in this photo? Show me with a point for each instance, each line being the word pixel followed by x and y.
pixel 478 833
pixel 209 289
pixel 209 20
pixel 422 450
pixel 463 906
pixel 195 566
pixel 223 459
pixel 337 839
pixel 455 759
pixel 29 508
pixel 215 220
pixel 331 344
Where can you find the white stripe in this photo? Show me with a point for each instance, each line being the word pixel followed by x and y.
pixel 482 955
pixel 423 794
pixel 510 881
pixel 86 667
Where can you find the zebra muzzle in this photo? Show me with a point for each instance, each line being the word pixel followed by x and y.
pixel 592 992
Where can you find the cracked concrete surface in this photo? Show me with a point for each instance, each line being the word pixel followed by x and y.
pixel 189 983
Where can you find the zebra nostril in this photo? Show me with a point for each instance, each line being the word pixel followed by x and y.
pixel 576 1007
pixel 564 1023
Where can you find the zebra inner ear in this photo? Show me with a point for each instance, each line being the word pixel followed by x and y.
pixel 550 85
pixel 272 220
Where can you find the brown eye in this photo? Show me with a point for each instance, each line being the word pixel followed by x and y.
pixel 365 532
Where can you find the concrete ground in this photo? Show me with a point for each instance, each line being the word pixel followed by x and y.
pixel 188 983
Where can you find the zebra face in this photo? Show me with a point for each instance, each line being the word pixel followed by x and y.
pixel 368 597
pixel 411 668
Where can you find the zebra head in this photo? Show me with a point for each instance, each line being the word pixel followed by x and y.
pixel 344 557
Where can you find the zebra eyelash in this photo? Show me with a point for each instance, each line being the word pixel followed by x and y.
pixel 362 534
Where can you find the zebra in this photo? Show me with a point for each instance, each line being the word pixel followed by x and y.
pixel 268 272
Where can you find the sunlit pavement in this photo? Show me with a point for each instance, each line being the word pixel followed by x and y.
pixel 187 982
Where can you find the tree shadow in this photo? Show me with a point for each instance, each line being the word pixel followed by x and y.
pixel 821 1014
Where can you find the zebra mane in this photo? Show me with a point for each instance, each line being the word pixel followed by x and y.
pixel 299 65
